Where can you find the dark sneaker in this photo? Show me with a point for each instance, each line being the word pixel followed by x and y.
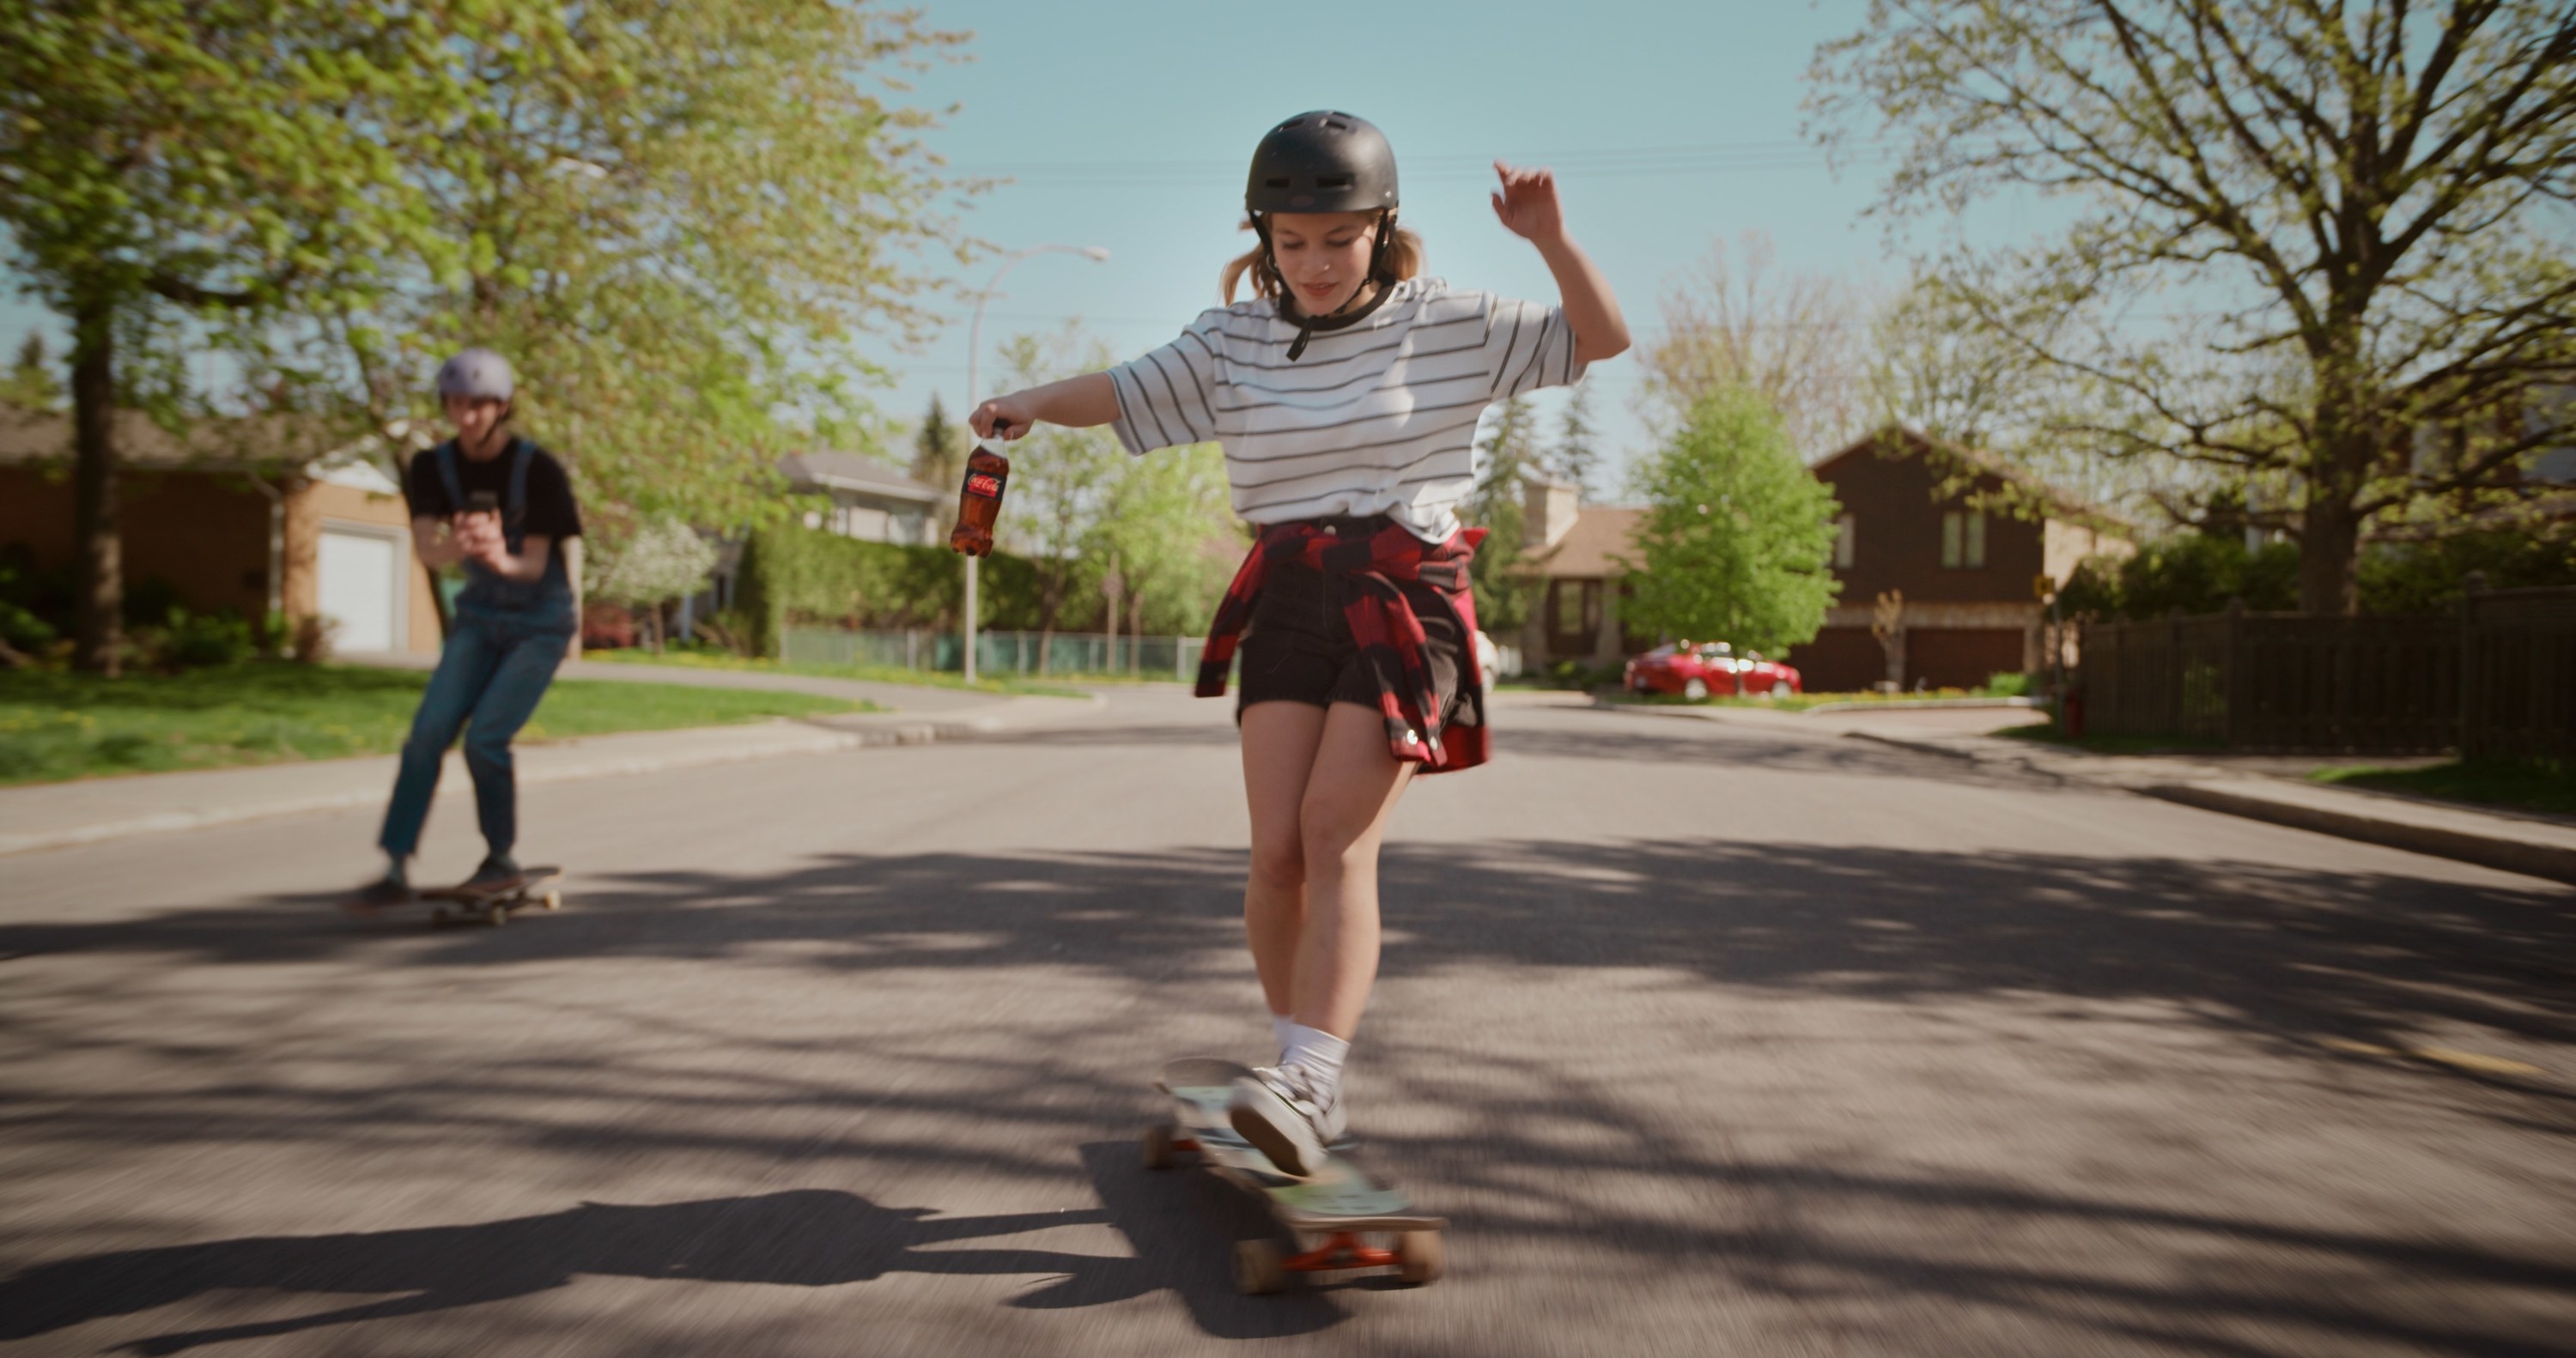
pixel 1275 1109
pixel 380 895
pixel 498 873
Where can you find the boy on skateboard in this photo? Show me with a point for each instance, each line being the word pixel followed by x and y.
pixel 1345 393
pixel 501 506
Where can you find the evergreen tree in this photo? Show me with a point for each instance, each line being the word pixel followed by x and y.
pixel 30 384
pixel 1509 455
pixel 938 448
pixel 1575 458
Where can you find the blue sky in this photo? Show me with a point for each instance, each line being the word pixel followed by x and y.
pixel 1127 126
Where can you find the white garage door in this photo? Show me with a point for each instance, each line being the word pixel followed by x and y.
pixel 359 574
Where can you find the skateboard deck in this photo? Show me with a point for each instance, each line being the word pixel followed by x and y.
pixel 466 904
pixel 1340 1203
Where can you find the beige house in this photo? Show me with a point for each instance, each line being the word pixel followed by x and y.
pixel 1574 553
pixel 255 517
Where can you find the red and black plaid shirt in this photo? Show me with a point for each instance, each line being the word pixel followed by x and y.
pixel 1381 620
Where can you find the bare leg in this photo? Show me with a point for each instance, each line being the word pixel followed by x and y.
pixel 1279 740
pixel 1350 790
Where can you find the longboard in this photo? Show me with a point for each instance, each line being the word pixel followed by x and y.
pixel 1340 1202
pixel 481 905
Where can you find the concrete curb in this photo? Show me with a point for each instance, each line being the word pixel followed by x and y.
pixel 2524 856
pixel 2440 830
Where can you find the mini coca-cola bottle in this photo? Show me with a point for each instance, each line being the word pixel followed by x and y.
pixel 979 501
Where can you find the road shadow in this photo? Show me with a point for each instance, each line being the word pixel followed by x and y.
pixel 799 1238
pixel 2264 956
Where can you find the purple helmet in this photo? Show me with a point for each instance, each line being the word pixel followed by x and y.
pixel 478 374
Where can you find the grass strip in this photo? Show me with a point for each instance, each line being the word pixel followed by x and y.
pixel 56 726
pixel 2524 787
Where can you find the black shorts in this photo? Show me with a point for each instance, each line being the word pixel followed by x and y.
pixel 1298 647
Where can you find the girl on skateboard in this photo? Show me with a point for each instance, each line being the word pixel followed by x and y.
pixel 1345 393
pixel 503 507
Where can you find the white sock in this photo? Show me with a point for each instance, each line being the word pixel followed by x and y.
pixel 1279 1026
pixel 1320 1054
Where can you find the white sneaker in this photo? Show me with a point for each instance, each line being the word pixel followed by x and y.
pixel 1275 1108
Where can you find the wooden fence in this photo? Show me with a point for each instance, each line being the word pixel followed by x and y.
pixel 2518 676
pixel 2278 681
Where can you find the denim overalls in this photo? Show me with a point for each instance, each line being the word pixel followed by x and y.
pixel 502 649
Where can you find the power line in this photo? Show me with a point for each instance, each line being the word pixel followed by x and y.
pixel 1698 159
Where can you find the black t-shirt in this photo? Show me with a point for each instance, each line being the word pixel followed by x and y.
pixel 551 510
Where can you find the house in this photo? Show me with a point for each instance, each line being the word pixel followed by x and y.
pixel 1573 553
pixel 870 500
pixel 1910 524
pixel 255 516
pixel 1919 518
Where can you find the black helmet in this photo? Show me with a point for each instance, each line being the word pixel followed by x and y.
pixel 1322 161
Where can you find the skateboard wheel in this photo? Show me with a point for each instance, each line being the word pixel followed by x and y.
pixel 554 900
pixel 439 917
pixel 497 916
pixel 1158 1146
pixel 1420 1257
pixel 1257 1268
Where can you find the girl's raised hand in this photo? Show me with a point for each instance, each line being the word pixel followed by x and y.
pixel 1527 205
pixel 1010 412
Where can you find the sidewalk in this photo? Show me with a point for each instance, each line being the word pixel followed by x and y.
pixel 57 815
pixel 2258 788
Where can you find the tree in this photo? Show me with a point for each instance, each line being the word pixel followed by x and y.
pixel 1167 537
pixel 1793 337
pixel 1574 459
pixel 1499 506
pixel 205 156
pixel 1737 536
pixel 680 220
pixel 938 448
pixel 1060 478
pixel 31 384
pixel 2352 201
pixel 661 560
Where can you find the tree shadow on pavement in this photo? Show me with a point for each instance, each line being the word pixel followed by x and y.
pixel 799 1238
pixel 2272 958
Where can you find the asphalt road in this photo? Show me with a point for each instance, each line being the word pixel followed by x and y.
pixel 1707 1039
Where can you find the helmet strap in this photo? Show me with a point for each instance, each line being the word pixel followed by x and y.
pixel 1377 273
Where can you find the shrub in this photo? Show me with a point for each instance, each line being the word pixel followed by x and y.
pixel 22 630
pixel 200 640
pixel 2003 684
pixel 800 575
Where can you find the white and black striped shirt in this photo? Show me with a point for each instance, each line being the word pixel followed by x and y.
pixel 1378 418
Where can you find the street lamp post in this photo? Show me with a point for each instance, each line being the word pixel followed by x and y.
pixel 974 355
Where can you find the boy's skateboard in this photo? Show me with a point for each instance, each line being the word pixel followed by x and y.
pixel 1340 1205
pixel 481 905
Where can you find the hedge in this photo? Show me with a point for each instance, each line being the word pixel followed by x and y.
pixel 801 575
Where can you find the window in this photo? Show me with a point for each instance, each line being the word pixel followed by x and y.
pixel 1963 541
pixel 1844 528
pixel 1573 611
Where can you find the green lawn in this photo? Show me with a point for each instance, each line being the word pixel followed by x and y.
pixel 883 674
pixel 56 726
pixel 2525 786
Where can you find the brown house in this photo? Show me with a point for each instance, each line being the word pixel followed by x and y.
pixel 1921 518
pixel 251 517
pixel 1911 524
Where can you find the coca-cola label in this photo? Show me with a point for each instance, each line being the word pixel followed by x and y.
pixel 984 485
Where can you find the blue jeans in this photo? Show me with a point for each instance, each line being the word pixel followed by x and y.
pixel 493 671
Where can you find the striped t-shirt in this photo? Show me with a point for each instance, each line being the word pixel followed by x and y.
pixel 1376 418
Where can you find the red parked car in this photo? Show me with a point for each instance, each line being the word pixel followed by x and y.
pixel 1702 669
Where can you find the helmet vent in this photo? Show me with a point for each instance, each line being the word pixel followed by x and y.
pixel 1333 181
pixel 1279 183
